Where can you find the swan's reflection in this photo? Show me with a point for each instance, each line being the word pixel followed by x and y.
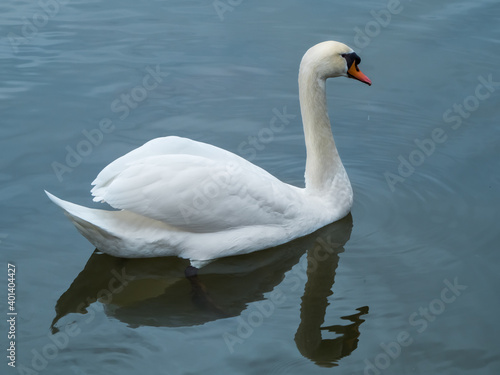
pixel 322 263
pixel 155 292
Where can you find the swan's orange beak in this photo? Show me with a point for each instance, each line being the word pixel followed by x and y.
pixel 355 73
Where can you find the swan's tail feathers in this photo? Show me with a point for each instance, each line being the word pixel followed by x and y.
pixel 97 226
pixel 70 209
pixel 118 233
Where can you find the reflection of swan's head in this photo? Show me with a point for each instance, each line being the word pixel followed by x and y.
pixel 333 59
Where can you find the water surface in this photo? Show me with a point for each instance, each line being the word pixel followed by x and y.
pixel 406 285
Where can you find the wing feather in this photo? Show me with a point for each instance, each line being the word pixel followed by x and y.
pixel 194 187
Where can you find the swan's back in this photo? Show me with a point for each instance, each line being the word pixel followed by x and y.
pixel 195 187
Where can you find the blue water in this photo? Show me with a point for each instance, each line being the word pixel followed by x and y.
pixel 406 285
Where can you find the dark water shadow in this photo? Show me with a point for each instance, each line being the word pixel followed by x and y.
pixel 155 292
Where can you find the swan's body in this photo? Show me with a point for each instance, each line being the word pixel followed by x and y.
pixel 196 201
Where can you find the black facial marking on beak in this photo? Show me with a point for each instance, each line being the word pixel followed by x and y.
pixel 352 58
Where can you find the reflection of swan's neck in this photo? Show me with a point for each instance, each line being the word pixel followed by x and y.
pixel 323 161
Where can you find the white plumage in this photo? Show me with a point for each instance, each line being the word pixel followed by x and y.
pixel 189 199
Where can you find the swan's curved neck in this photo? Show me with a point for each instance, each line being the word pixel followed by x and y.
pixel 323 161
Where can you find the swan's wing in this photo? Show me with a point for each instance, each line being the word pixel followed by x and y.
pixel 159 146
pixel 199 194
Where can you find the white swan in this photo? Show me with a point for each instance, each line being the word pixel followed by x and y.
pixel 178 197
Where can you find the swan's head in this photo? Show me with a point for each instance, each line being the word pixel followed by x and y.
pixel 333 59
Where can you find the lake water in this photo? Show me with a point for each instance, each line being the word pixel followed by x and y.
pixel 406 285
